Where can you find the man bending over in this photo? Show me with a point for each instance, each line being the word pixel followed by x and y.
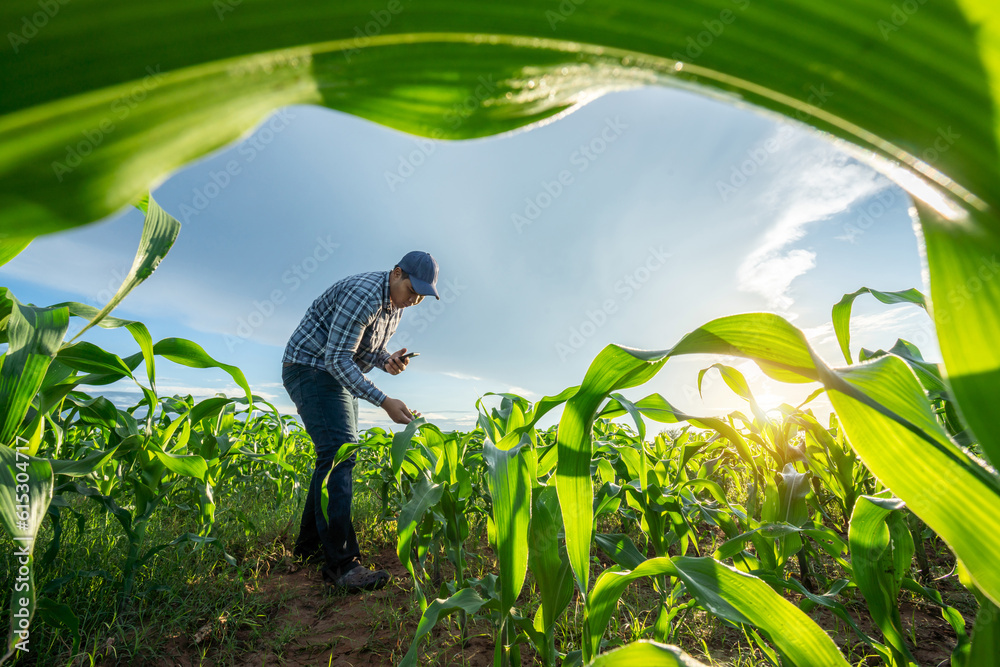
pixel 342 336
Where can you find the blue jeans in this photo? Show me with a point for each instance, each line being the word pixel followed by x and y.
pixel 330 415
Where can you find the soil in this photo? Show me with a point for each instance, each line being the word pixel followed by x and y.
pixel 346 630
pixel 339 629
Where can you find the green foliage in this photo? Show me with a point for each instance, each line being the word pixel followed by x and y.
pixel 892 84
pixel 773 483
pixel 800 479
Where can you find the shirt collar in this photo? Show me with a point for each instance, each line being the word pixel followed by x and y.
pixel 386 300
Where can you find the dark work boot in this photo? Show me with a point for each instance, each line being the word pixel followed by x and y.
pixel 359 578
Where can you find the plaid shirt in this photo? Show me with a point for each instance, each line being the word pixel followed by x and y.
pixel 345 332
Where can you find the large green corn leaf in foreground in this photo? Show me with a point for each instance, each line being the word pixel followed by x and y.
pixel 90 123
pixel 953 495
pixel 964 263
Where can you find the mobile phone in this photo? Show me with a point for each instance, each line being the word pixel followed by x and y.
pixel 410 354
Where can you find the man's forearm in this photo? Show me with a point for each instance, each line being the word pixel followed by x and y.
pixel 349 375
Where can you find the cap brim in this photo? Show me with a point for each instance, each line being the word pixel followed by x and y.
pixel 423 288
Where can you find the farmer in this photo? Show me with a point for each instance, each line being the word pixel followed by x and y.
pixel 344 334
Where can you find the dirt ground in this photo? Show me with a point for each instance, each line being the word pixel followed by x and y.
pixel 316 627
pixel 347 630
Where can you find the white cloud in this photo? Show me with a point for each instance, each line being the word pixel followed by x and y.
pixel 512 389
pixel 771 274
pixel 461 376
pixel 814 184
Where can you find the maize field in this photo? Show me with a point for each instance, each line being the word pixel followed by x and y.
pixel 755 518
pixel 602 540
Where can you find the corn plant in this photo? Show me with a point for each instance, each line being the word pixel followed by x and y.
pixel 433 475
pixel 68 442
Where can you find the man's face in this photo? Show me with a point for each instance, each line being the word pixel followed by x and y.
pixel 401 292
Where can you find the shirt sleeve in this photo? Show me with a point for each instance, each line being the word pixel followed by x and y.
pixel 376 359
pixel 346 328
pixel 380 357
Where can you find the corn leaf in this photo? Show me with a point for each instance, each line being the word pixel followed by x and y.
pixel 401 442
pixel 929 374
pixel 159 231
pixel 889 423
pixel 191 354
pixel 842 312
pixel 951 494
pixel 466 600
pixel 879 563
pixel 90 358
pixel 645 654
pixel 60 615
pixel 608 589
pixel 425 495
pixel 34 473
pixel 549 565
pixel 614 368
pixel 726 593
pixel 510 464
pixel 25 494
pixel 34 336
pixel 986 636
pixel 138 330
pixel 964 262
pixel 186 465
pixel 885 415
pixel 916 88
pixel 12 247
pixel 83 466
pixel 621 549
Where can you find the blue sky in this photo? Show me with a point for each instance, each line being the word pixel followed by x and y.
pixel 632 220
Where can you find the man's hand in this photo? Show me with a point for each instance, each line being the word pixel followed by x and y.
pixel 395 364
pixel 398 412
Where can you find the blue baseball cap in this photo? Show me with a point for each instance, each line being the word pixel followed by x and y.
pixel 423 271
